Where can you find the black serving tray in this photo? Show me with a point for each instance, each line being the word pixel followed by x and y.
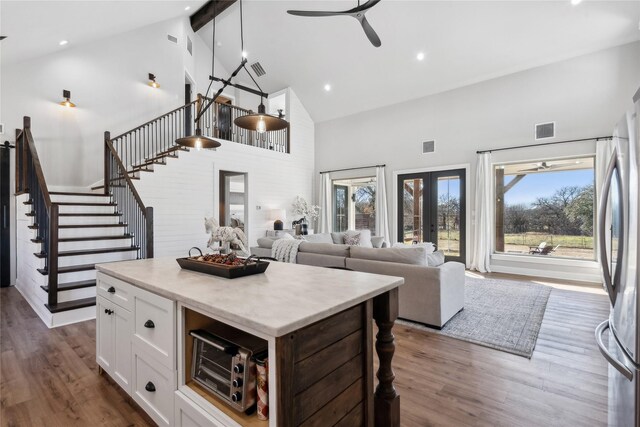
pixel 253 265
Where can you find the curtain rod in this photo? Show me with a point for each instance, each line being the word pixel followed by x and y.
pixel 352 169
pixel 545 143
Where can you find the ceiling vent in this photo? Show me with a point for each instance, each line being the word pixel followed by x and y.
pixel 172 39
pixel 189 46
pixel 257 68
pixel 545 130
pixel 428 147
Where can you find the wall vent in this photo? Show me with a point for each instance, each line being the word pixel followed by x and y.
pixel 428 147
pixel 545 130
pixel 257 68
pixel 172 39
pixel 189 46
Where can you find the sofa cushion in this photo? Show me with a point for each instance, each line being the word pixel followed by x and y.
pixel 414 256
pixel 320 260
pixel 324 248
pixel 365 237
pixel 266 242
pixel 430 247
pixel 435 259
pixel 352 239
pixel 318 238
pixel 377 241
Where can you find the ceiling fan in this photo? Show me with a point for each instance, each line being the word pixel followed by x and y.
pixel 357 12
pixel 545 166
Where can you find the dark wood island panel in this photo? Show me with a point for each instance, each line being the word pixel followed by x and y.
pixel 325 370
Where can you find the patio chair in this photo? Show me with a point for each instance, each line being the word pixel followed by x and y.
pixel 537 249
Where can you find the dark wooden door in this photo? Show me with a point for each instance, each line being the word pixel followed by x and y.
pixel 5 248
pixel 431 208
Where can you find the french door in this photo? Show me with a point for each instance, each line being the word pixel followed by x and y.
pixel 340 208
pixel 431 208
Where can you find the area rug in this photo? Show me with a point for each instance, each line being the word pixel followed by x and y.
pixel 502 314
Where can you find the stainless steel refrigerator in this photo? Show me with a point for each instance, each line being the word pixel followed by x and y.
pixel 618 234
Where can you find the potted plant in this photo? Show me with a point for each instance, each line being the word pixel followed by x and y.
pixel 308 212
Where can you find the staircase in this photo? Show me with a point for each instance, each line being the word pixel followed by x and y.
pixel 65 234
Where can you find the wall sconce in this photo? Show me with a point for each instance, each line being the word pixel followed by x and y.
pixel 152 81
pixel 278 215
pixel 66 94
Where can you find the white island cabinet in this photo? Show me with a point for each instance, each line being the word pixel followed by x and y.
pixel 316 323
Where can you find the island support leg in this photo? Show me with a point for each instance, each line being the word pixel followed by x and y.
pixel 386 400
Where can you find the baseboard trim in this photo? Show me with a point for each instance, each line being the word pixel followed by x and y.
pixel 590 278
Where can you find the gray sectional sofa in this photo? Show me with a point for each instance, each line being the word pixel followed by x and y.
pixel 433 291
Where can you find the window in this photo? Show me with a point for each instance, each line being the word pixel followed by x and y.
pixel 354 204
pixel 546 208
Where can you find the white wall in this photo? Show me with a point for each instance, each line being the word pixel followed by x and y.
pixel 585 96
pixel 186 190
pixel 108 82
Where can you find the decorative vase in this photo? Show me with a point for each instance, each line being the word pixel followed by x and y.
pixel 304 227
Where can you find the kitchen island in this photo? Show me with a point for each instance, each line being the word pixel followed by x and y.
pixel 315 322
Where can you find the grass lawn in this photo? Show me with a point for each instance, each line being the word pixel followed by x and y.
pixel 525 239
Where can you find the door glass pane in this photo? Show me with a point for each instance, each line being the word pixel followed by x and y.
pixel 340 203
pixel 448 217
pixel 412 217
pixel 365 206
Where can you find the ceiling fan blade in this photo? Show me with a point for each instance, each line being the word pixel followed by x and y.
pixel 364 7
pixel 369 31
pixel 313 13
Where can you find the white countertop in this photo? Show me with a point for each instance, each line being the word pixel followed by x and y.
pixel 285 298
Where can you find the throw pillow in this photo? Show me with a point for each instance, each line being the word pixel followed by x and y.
pixel 338 238
pixel 430 247
pixel 435 259
pixel 352 239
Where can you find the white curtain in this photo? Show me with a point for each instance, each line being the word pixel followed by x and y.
pixel 325 225
pixel 481 258
pixel 382 213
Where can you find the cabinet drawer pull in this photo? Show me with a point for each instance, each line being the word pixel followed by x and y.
pixel 150 387
pixel 111 290
pixel 107 311
pixel 149 324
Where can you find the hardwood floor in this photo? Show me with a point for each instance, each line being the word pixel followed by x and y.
pixel 49 376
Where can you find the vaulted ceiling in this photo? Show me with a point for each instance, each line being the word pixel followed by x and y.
pixel 463 42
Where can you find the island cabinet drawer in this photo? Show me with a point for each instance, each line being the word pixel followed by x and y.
pixel 189 414
pixel 154 326
pixel 154 386
pixel 114 290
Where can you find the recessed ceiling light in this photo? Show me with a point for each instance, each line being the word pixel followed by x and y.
pixel 187 8
pixel 576 2
pixel 327 87
pixel 63 42
pixel 420 56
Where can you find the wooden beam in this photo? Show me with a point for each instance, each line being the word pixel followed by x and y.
pixel 513 182
pixel 206 13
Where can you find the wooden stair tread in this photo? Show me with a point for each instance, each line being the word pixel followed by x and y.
pixel 32 227
pixel 89 214
pixel 98 251
pixel 71 269
pixel 28 202
pixel 70 193
pixel 91 225
pixel 71 305
pixel 85 203
pixel 72 285
pixel 30 213
pixel 90 251
pixel 88 238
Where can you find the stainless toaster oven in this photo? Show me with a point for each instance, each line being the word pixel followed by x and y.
pixel 223 364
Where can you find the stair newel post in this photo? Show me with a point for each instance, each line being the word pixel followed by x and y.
pixel 149 232
pixel 107 172
pixel 52 254
pixel 26 124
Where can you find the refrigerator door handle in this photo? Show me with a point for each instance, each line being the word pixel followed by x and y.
pixel 611 279
pixel 620 367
